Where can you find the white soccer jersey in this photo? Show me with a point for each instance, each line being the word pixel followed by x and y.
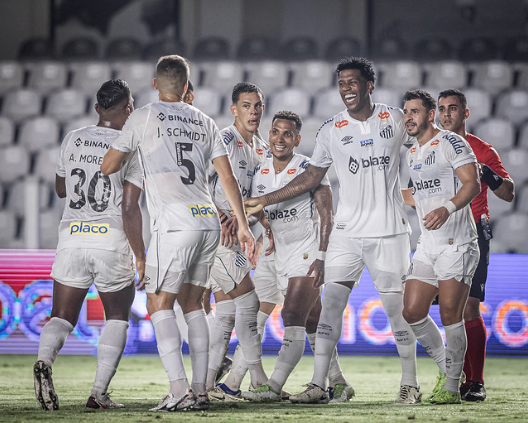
pixel 176 142
pixel 432 170
pixel 295 222
pixel 92 214
pixel 366 157
pixel 243 159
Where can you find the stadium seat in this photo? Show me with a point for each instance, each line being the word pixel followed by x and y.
pixel 479 103
pixel 389 49
pixel 16 197
pixel 293 99
pixel 388 96
pixel 211 48
pixel 227 119
pixel 257 48
pixel 522 198
pixel 522 142
pixel 513 105
pixel 49 224
pixel 89 76
pixel 312 75
pixel 516 49
pixel 22 104
pixel 222 75
pixel 446 74
pixel 66 104
pixel 492 76
pixel 433 50
pixel 510 231
pixel 401 75
pixel 154 50
pixel 36 48
pixel 78 122
pixel 498 132
pixel 514 162
pixel 81 48
pixel 47 76
pixel 327 103
pixel 138 74
pixel 299 48
pixel 7 131
pixel 309 130
pixel 123 49
pixel 11 76
pixel 478 49
pixel 8 228
pixel 14 163
pixel 269 75
pixel 46 164
pixel 342 47
pixel 39 133
pixel 208 100
pixel 145 96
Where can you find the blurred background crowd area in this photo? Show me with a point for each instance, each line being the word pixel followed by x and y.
pixel 55 54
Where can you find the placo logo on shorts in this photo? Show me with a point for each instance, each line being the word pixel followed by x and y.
pixel 202 210
pixel 83 228
pixel 341 123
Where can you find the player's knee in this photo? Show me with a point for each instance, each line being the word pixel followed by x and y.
pixel 293 317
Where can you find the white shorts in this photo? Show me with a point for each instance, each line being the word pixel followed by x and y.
pixel 266 283
pixel 110 271
pixel 179 257
pixel 386 258
pixel 229 269
pixel 445 262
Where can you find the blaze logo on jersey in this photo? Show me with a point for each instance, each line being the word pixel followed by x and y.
pixel 240 144
pixel 161 116
pixel 202 210
pixel 291 171
pixel 384 115
pixel 341 123
pixel 78 142
pixel 353 165
pixel 260 151
pixel 435 142
pixel 264 171
pixel 83 228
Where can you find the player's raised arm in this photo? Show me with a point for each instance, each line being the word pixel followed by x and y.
pixel 113 161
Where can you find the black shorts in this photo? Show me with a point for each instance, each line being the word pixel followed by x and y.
pixel 478 284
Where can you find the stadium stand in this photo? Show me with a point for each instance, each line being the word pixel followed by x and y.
pixel 36 48
pixel 47 76
pixel 257 48
pixel 211 48
pixel 269 75
pixel 208 100
pixel 11 76
pixel 137 73
pixel 496 131
pixel 7 132
pixel 493 76
pixel 327 104
pixel 66 104
pixel 312 75
pixel 22 104
pixel 291 99
pixel 81 48
pixel 153 51
pixel 512 105
pixel 341 47
pixel 446 74
pixel 222 75
pixel 87 76
pixel 15 163
pixel 480 103
pixel 124 48
pixel 478 49
pixel 401 75
pixel 39 133
pixel 433 50
pixel 46 164
pixel 510 231
pixel 299 48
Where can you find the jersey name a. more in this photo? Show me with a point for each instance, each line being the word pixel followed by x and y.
pixel 294 222
pixel 243 159
pixel 92 213
pixel 176 144
pixel 432 170
pixel 366 157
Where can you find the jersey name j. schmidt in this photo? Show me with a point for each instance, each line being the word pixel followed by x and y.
pixel 176 144
pixel 243 159
pixel 92 213
pixel 294 222
pixel 366 157
pixel 432 170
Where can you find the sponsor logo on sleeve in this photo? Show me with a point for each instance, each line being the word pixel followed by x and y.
pixel 83 228
pixel 455 142
pixel 202 210
pixel 341 124
pixel 228 137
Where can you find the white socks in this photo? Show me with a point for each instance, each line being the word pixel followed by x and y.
pixel 289 355
pixel 221 330
pixel 455 351
pixel 198 348
pixel 335 299
pixel 430 338
pixel 335 374
pixel 109 351
pixel 403 334
pixel 52 338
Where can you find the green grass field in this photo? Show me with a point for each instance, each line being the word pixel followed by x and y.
pixel 141 382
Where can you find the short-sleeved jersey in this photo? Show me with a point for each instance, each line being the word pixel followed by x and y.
pixel 294 222
pixel 243 159
pixel 366 158
pixel 432 169
pixel 176 144
pixel 92 214
pixel 487 155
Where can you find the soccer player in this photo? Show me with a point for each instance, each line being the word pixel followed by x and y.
pixel 370 226
pixel 444 175
pixel 453 113
pixel 237 304
pixel 92 247
pixel 296 224
pixel 176 142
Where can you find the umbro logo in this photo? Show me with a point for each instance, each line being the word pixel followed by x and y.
pixel 347 140
pixel 242 164
pixel 78 142
pixel 261 187
pixel 161 116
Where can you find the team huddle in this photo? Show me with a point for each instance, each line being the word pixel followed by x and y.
pixel 222 203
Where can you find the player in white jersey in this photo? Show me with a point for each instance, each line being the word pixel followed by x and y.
pixel 370 225
pixel 93 247
pixel 301 227
pixel 237 304
pixel 176 143
pixel 443 170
